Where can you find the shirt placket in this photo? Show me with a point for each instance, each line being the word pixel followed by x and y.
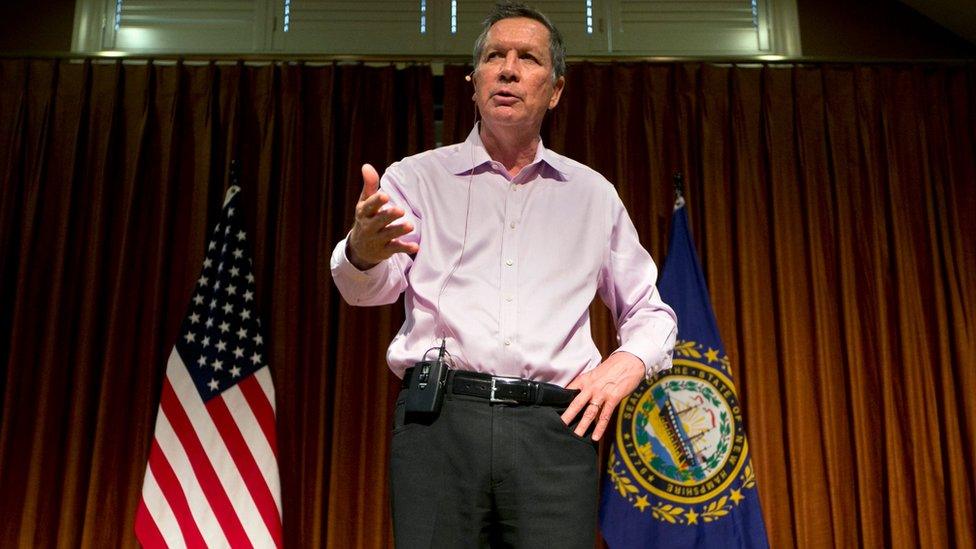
pixel 508 319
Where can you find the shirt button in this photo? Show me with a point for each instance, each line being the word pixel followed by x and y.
pixel 508 342
pixel 512 224
pixel 510 263
pixel 509 298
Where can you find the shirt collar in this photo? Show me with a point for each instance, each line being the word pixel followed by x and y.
pixel 471 154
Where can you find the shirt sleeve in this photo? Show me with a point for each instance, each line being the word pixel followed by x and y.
pixel 383 283
pixel 646 326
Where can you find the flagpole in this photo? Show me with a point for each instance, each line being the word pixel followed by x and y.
pixel 235 173
pixel 679 190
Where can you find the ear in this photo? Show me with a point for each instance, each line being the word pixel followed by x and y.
pixel 557 91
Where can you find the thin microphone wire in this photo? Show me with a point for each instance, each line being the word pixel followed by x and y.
pixel 438 324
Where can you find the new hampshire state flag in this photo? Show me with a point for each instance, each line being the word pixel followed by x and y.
pixel 679 473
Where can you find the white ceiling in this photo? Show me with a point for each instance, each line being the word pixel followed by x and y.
pixel 959 16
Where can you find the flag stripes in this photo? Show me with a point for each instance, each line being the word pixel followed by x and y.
pixel 164 480
pixel 261 404
pixel 152 537
pixel 212 474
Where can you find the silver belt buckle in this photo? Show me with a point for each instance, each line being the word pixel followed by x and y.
pixel 501 380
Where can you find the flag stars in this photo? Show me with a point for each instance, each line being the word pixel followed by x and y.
pixel 202 361
pixel 234 271
pixel 228 308
pixel 213 384
pixel 230 212
pixel 245 314
pixel 711 355
pixel 248 295
pixel 221 345
pixel 227 230
pixel 194 318
pixel 235 371
pixel 209 322
pixel 250 278
pixel 212 245
pixel 642 503
pixel 198 299
pixel 205 342
pixel 241 235
pixel 231 290
pixel 238 253
pixel 258 340
pixel 207 263
pixel 256 358
pixel 216 285
pixel 224 327
pixel 190 337
pixel 737 496
pixel 213 303
pixel 218 365
pixel 241 334
pixel 203 281
pixel 238 352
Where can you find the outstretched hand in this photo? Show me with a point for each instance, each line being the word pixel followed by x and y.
pixel 374 236
pixel 601 389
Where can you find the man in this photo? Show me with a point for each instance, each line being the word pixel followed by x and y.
pixel 499 246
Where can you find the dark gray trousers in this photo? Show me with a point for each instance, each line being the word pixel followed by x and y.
pixel 491 475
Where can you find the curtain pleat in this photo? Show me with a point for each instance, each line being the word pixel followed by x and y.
pixel 833 210
pixel 111 176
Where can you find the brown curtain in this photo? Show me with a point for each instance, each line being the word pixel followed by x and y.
pixel 110 175
pixel 834 209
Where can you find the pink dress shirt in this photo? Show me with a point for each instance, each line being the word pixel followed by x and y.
pixel 539 246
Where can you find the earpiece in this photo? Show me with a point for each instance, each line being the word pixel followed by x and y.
pixel 467 77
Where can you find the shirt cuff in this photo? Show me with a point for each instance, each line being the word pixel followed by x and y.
pixel 342 267
pixel 654 362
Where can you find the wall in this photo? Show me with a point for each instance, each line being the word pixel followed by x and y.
pixel 37 26
pixel 828 28
pixel 866 29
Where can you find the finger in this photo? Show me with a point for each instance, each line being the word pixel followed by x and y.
pixel 371 182
pixel 579 381
pixel 396 246
pixel 392 232
pixel 606 412
pixel 575 406
pixel 385 219
pixel 368 208
pixel 387 216
pixel 590 413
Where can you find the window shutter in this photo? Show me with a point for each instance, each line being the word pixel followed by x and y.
pixel 190 26
pixel 359 27
pixel 689 27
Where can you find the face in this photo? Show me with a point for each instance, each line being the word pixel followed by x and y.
pixel 513 80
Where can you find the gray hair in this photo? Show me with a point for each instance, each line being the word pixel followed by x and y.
pixel 510 10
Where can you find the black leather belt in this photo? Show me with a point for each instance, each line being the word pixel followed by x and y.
pixel 504 390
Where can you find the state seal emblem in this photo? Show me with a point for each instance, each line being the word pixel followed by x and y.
pixel 680 439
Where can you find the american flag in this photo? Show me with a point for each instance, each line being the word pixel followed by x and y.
pixel 212 477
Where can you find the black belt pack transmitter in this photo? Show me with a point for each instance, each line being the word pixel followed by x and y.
pixel 427 385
